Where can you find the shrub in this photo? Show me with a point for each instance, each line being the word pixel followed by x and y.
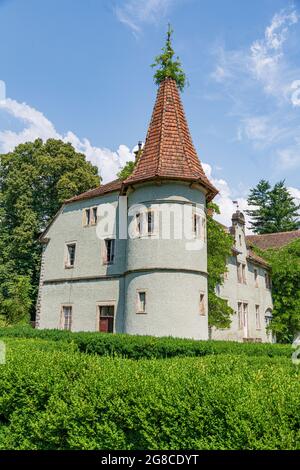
pixel 68 400
pixel 138 347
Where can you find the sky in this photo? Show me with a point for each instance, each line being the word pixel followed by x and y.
pixel 80 70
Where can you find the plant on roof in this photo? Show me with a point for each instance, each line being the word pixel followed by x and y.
pixel 168 66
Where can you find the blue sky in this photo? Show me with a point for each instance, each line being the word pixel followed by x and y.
pixel 79 70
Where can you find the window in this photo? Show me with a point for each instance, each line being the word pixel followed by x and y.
pixel 268 317
pixel 244 274
pixel 109 255
pixel 141 302
pixel 106 318
pixel 196 225
pixel 202 305
pixel 239 272
pixel 70 255
pixel 257 317
pixel 240 316
pixel 267 281
pixel 66 317
pixel 94 211
pixel 87 216
pixel 240 240
pixel 139 223
pixel 150 222
pixel 256 277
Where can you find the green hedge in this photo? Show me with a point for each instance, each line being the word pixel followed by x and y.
pixel 137 347
pixel 68 400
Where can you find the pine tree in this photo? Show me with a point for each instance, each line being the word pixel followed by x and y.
pixel 273 209
pixel 168 66
pixel 259 197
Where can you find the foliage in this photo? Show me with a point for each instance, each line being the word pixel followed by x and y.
pixel 53 400
pixel 274 209
pixel 35 179
pixel 15 300
pixel 219 246
pixel 168 66
pixel 146 347
pixel 126 171
pixel 285 264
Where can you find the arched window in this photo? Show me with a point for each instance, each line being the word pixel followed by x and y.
pixel 268 316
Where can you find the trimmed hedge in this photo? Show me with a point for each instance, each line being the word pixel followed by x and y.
pixel 68 400
pixel 138 347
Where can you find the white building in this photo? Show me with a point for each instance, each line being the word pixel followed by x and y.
pixel 149 284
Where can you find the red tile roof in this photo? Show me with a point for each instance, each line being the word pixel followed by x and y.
pixel 104 189
pixel 257 259
pixel 169 152
pixel 272 240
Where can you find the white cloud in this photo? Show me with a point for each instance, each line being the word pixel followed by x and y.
pixel 266 55
pixel 264 131
pixel 133 13
pixel 36 125
pixel 289 157
pixel 264 61
pixel 295 192
pixel 225 199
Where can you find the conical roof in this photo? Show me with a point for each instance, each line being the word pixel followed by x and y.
pixel 169 152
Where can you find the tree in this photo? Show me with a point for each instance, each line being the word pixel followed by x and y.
pixel 126 171
pixel 35 179
pixel 285 264
pixel 219 246
pixel 168 66
pixel 273 209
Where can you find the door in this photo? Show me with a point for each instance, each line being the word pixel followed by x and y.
pixel 245 320
pixel 106 318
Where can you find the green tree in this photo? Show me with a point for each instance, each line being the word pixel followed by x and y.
pixel 35 179
pixel 285 264
pixel 168 66
pixel 126 171
pixel 219 246
pixel 273 209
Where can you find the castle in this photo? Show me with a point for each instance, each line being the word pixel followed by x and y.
pixel 96 277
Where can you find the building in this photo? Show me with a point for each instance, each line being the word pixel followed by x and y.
pixel 143 285
pixel 247 288
pixel 154 281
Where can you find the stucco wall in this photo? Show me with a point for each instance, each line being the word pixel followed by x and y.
pixel 172 305
pixel 84 298
pixel 234 292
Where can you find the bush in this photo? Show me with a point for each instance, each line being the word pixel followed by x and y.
pixel 68 400
pixel 138 347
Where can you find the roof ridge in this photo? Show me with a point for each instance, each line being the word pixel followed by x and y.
pixel 272 233
pixel 159 160
pixel 180 134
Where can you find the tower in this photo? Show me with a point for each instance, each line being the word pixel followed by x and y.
pixel 166 277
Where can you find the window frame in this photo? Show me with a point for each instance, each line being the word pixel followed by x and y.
pixel 244 273
pixel 105 259
pixel 94 218
pixel 62 317
pixel 255 273
pixel 105 303
pixel 257 317
pixel 67 264
pixel 202 304
pixel 139 311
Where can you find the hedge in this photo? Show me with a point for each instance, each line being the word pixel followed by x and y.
pixel 138 347
pixel 69 400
